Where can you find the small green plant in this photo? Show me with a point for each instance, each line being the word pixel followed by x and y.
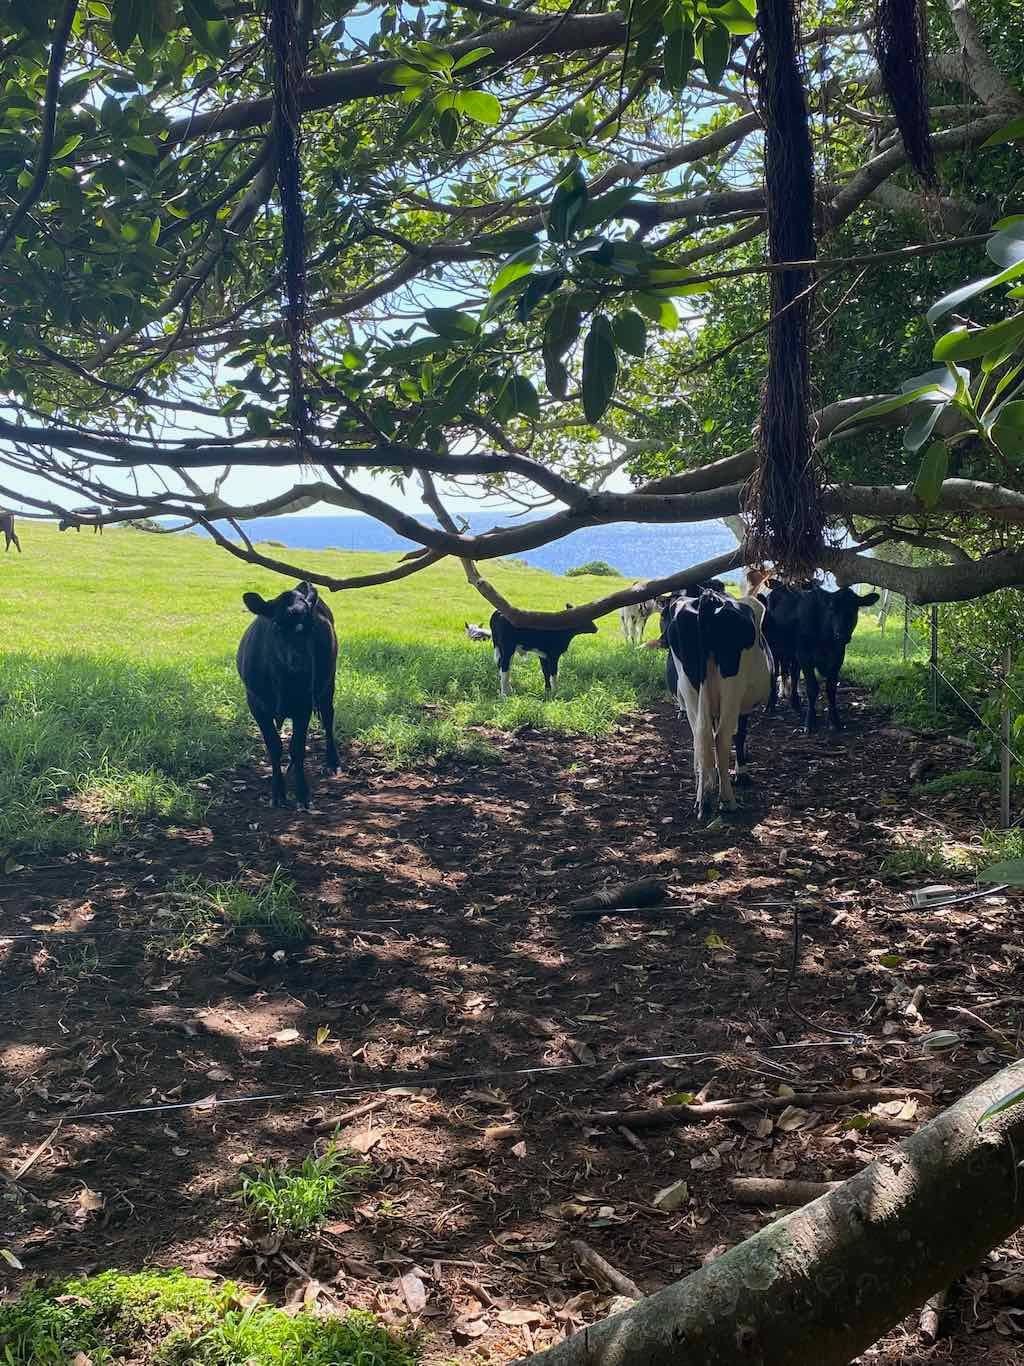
pixel 297 1200
pixel 964 780
pixel 929 857
pixel 273 906
pixel 166 1318
pixel 81 961
pixel 598 569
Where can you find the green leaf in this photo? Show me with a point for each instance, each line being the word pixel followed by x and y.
pixel 67 147
pixel 419 117
pixel 125 23
pixel 212 35
pixel 1008 430
pixel 966 344
pixel 715 48
pixel 562 327
pixel 969 291
pixel 451 323
pixel 600 369
pixel 479 105
pixel 890 405
pixel 523 397
pixel 520 263
pixel 630 332
pixel 921 426
pixel 1006 247
pixel 1006 1102
pixel 144 147
pixel 556 376
pixel 353 358
pixel 607 206
pixel 406 75
pixel 1010 872
pixel 567 207
pixel 470 58
pixel 448 128
pixel 539 287
pixel 514 239
pixel 734 15
pixel 678 57
pixel 1010 132
pixel 930 476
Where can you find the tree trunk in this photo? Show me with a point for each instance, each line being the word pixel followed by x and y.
pixel 822 1284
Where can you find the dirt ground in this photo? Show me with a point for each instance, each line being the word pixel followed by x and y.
pixel 444 947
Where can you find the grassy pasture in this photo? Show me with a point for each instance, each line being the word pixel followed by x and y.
pixel 118 690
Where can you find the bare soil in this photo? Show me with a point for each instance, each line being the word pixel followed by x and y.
pixel 444 948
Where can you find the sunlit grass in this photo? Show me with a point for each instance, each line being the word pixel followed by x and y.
pixel 298 1199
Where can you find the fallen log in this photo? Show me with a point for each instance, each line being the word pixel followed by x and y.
pixel 603 1272
pixel 769 1191
pixel 822 1284
pixel 666 1115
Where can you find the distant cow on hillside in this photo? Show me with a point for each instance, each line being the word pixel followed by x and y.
pixel 722 672
pixel 287 660
pixel 7 531
pixel 633 619
pixel 512 640
pixel 84 516
pixel 809 630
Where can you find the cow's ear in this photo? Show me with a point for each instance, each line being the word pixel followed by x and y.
pixel 307 590
pixel 257 605
pixel 866 599
pixel 568 606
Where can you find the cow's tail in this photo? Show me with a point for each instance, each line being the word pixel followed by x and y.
pixel 704 749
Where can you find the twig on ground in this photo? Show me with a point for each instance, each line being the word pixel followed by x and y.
pixel 330 1121
pixel 602 1271
pixel 667 1115
pixel 768 1192
pixel 931 1315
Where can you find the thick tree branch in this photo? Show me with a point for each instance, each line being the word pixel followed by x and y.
pixel 987 81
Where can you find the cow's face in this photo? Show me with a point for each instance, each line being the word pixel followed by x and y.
pixel 841 617
pixel 291 612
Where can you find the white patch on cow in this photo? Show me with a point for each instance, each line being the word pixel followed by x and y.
pixel 497 655
pixel 633 618
pixel 503 682
pixel 714 709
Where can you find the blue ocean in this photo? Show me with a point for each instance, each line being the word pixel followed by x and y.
pixel 636 550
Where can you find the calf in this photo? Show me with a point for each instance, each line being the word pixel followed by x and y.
pixel 287 660
pixel 811 628
pixel 512 640
pixel 7 531
pixel 722 672
pixel 84 516
pixel 633 619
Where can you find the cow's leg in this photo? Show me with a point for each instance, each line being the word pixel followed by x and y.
pixel 17 543
pixel 297 752
pixel 831 688
pixel 728 728
pixel 811 683
pixel 272 740
pixel 549 668
pixel 503 659
pixel 794 685
pixel 742 776
pixel 773 695
pixel 325 707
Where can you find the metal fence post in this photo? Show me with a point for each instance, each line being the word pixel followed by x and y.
pixel 1004 757
pixel 934 660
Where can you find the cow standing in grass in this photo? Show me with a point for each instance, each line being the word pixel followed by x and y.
pixel 287 660
pixel 809 629
pixel 84 516
pixel 510 640
pixel 7 531
pixel 722 671
pixel 633 618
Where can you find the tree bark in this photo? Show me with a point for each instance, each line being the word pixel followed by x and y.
pixel 822 1284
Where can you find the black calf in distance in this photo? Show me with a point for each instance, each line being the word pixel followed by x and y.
pixel 287 660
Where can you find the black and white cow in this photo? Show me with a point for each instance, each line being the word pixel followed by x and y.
pixel 509 640
pixel 809 629
pixel 722 671
pixel 633 619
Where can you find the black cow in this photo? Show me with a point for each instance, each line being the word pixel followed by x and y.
pixel 8 532
pixel 509 640
pixel 287 660
pixel 809 629
pixel 84 516
pixel 722 672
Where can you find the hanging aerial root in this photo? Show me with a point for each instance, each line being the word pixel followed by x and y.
pixel 901 47
pixel 784 496
pixel 287 51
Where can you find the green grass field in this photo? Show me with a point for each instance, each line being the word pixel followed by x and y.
pixel 118 690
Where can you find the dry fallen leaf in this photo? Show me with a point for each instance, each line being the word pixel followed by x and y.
pixel 413 1292
pixel 218 1074
pixel 80 1359
pixel 792 1118
pixel 287 1036
pixel 519 1149
pixel 470 1328
pixel 10 1259
pixel 89 1201
pixel 671 1197
pixel 364 1141
pixel 518 1317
